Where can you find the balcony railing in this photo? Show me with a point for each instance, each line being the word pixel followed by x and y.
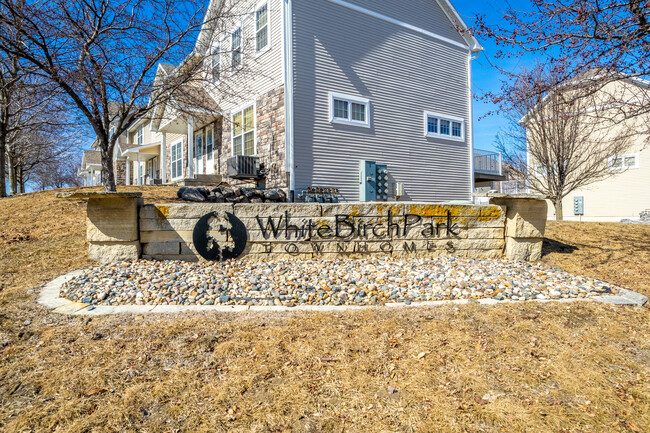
pixel 487 162
pixel 514 187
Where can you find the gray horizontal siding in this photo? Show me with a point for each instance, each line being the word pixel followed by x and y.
pixel 403 73
pixel 424 14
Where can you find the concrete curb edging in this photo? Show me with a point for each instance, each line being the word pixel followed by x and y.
pixel 49 297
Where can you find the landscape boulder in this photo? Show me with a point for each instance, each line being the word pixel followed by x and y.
pixel 191 194
pixel 227 194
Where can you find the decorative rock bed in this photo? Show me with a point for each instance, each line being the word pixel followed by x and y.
pixel 372 281
pixel 227 194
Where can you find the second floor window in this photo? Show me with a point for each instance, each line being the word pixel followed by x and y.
pixel 215 65
pixel 623 162
pixel 262 27
pixel 139 136
pixel 437 125
pixel 349 110
pixel 235 46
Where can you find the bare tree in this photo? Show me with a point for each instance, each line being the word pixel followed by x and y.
pixel 563 139
pixel 33 122
pixel 103 54
pixel 57 173
pixel 32 150
pixel 576 38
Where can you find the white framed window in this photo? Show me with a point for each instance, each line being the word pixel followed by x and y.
pixel 262 32
pixel 349 110
pixel 139 136
pixel 624 162
pixel 443 126
pixel 209 143
pixel 177 160
pixel 236 52
pixel 198 146
pixel 214 71
pixel 243 131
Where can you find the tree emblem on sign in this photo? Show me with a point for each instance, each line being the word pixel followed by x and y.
pixel 220 237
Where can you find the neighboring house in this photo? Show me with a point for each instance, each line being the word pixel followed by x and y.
pixel 624 195
pixel 137 158
pixel 314 88
pixel 90 170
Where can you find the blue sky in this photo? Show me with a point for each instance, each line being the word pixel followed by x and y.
pixel 484 75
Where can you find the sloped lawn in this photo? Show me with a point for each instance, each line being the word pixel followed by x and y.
pixel 525 367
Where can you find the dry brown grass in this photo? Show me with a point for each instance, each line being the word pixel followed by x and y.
pixel 542 367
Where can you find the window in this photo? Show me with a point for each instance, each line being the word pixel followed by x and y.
pixel 140 173
pixel 437 125
pixel 349 110
pixel 209 144
pixel 262 27
pixel 177 160
pixel 236 51
pixel 111 132
pixel 139 136
pixel 215 65
pixel 243 132
pixel 198 146
pixel 623 162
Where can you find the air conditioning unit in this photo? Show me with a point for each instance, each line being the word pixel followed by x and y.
pixel 243 167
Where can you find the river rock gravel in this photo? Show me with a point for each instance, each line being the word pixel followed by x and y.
pixel 373 281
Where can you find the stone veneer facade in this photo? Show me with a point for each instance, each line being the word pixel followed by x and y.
pixel 270 140
pixel 119 170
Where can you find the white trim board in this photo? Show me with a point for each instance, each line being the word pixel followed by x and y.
pixel 403 24
pixel 287 69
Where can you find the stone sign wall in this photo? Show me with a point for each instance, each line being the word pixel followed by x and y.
pixel 120 227
pixel 272 231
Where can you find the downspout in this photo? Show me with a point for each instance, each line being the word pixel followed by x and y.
pixel 470 131
pixel 287 69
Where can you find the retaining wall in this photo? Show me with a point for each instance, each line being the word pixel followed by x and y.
pixel 120 227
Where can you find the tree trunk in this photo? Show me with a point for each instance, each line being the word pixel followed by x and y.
pixel 20 179
pixel 3 174
pixel 108 174
pixel 12 176
pixel 559 215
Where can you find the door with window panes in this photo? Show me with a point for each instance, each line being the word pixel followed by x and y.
pixel 152 169
pixel 198 154
pixel 209 150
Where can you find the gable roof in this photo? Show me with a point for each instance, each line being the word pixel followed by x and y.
pixel 462 28
pixel 203 40
pixel 91 157
pixel 166 68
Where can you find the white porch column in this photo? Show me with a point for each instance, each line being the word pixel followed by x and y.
pixel 163 158
pixel 92 177
pixel 138 172
pixel 190 147
pixel 128 171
